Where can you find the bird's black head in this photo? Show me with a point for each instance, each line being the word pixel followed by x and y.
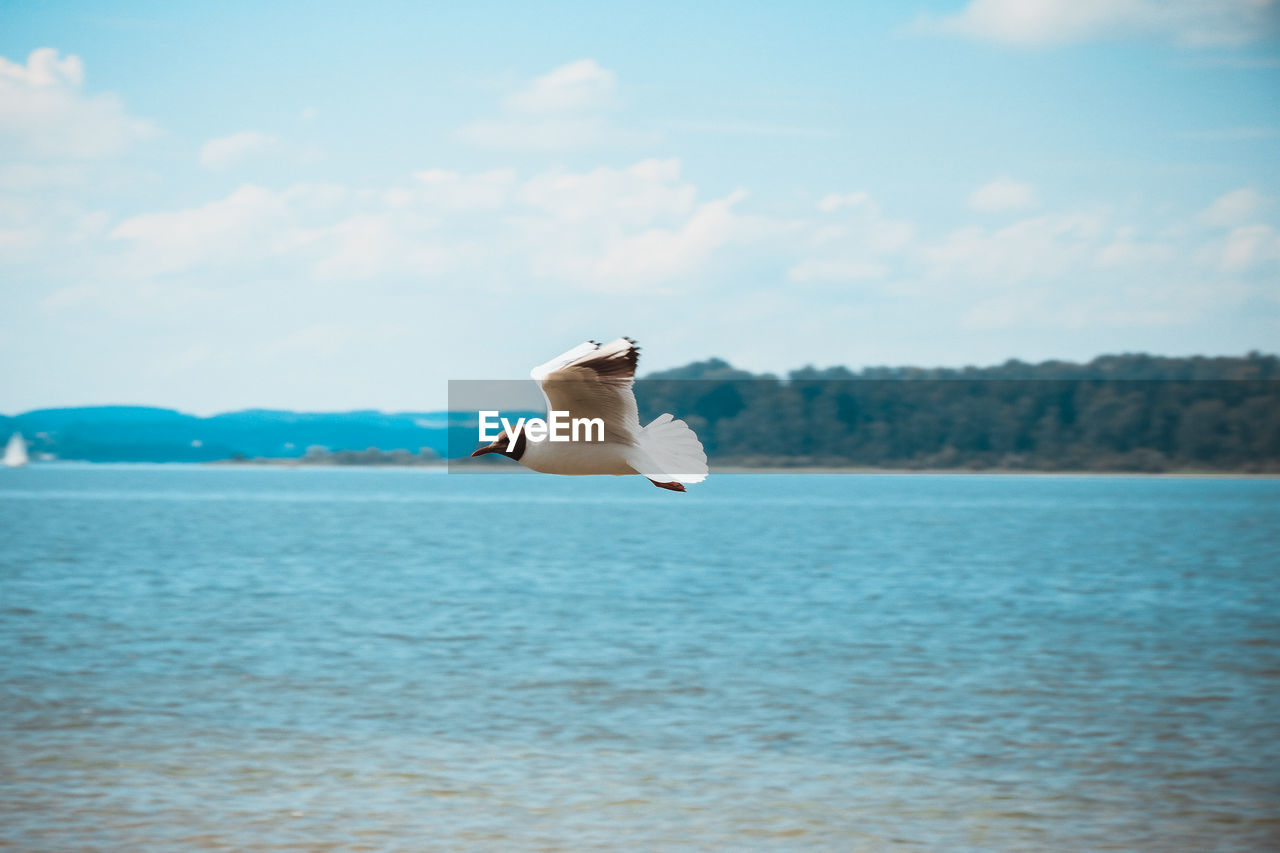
pixel 500 446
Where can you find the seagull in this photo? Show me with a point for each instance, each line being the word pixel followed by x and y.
pixel 595 380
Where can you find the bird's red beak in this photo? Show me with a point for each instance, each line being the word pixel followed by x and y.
pixel 492 448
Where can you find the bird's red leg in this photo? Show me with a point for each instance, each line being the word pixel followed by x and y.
pixel 673 486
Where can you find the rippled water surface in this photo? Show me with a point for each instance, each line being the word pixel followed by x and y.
pixel 203 658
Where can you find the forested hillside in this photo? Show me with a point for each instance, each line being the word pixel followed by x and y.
pixel 1123 413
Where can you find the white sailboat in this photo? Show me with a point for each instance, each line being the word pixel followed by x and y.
pixel 15 452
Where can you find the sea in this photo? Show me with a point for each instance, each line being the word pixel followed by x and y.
pixel 241 658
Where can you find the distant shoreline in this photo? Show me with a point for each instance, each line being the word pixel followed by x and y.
pixel 1009 472
pixel 469 467
pixel 462 467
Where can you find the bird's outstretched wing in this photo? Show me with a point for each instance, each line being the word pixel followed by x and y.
pixel 595 380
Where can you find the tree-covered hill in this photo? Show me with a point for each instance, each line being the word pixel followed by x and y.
pixel 1123 413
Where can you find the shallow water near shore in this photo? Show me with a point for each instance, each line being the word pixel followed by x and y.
pixel 243 658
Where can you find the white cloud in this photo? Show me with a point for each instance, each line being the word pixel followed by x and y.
pixel 45 115
pixel 1040 248
pixel 652 255
pixel 859 200
pixel 1080 270
pixel 44 70
pixel 564 109
pixel 71 297
pixel 321 232
pixel 227 151
pixel 1128 306
pixel 1128 249
pixel 853 241
pixel 549 134
pixel 440 188
pixel 817 270
pixel 152 300
pixel 20 176
pixel 618 229
pixel 233 229
pixel 603 229
pixel 648 191
pixel 1030 23
pixel 15 240
pixel 642 228
pixel 1250 246
pixel 739 127
pixel 321 340
pixel 1003 195
pixel 374 244
pixel 576 87
pixel 1235 207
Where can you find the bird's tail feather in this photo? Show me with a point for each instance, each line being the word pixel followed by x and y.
pixel 673 450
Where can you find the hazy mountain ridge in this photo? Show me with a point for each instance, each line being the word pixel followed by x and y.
pixel 145 434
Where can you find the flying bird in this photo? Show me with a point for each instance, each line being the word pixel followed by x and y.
pixel 592 381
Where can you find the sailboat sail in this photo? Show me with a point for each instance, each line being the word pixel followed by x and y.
pixel 15 452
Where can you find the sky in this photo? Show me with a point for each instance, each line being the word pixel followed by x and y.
pixel 342 206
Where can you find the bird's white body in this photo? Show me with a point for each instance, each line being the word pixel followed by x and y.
pixel 604 457
pixel 596 381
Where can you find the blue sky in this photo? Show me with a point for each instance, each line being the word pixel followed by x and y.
pixel 335 207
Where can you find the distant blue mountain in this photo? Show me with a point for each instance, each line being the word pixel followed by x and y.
pixel 144 434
